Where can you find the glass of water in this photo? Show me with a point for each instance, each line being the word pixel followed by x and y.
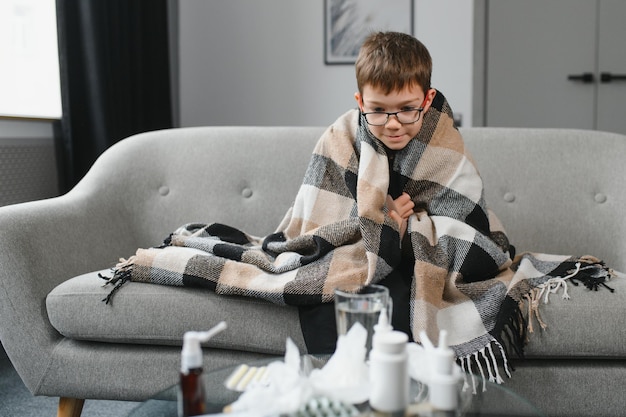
pixel 363 306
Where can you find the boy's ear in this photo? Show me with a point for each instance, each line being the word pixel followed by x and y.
pixel 359 100
pixel 428 99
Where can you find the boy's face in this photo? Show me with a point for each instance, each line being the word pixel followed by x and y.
pixel 394 134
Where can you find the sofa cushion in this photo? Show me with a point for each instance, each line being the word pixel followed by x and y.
pixel 589 325
pixel 160 315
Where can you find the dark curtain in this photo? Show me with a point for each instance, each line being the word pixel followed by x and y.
pixel 115 77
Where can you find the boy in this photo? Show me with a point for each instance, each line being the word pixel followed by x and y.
pixel 393 73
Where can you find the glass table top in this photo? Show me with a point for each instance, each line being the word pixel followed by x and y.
pixel 495 400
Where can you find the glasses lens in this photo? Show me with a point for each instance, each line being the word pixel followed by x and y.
pixel 404 117
pixel 409 116
pixel 376 119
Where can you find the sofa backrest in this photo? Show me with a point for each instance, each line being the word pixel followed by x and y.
pixel 559 191
pixel 556 191
pixel 241 176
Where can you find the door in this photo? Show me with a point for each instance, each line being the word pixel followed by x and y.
pixel 544 60
pixel 612 66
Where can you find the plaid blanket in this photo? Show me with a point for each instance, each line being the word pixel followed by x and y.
pixel 339 233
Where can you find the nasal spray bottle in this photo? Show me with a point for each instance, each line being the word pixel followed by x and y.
pixel 389 376
pixel 443 383
pixel 191 401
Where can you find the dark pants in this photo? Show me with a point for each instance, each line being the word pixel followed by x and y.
pixel 318 321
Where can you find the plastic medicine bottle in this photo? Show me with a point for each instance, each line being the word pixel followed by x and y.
pixel 389 376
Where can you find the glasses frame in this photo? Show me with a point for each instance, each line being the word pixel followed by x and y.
pixel 393 113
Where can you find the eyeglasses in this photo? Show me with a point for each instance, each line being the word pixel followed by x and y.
pixel 405 117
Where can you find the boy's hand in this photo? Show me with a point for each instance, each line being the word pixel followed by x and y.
pixel 400 209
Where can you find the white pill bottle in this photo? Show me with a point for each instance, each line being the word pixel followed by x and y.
pixel 389 375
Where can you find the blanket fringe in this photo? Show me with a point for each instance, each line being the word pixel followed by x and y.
pixel 511 330
pixel 594 274
pixel 588 270
pixel 122 273
pixel 487 357
pixel 515 327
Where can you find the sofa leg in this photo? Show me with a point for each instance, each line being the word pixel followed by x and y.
pixel 70 407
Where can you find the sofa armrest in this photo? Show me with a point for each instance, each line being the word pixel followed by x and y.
pixel 42 244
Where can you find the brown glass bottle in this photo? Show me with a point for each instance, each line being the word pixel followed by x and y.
pixel 192 401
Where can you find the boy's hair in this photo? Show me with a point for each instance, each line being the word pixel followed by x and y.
pixel 392 61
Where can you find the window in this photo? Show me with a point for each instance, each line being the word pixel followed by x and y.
pixel 29 73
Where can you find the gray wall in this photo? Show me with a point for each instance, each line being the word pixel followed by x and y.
pixel 251 62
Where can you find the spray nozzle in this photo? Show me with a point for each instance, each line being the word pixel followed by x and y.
pixel 191 356
pixel 383 322
pixel 428 345
pixel 204 336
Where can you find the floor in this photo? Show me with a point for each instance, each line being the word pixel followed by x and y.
pixel 17 401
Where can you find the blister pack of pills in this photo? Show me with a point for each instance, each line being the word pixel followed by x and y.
pixel 325 407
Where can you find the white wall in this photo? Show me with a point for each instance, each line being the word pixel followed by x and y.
pixel 251 62
pixel 446 27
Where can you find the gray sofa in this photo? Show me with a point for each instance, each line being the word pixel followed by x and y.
pixel 556 191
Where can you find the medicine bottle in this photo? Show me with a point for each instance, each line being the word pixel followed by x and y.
pixel 191 401
pixel 389 375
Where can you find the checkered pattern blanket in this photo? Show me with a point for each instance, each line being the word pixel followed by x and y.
pixel 339 233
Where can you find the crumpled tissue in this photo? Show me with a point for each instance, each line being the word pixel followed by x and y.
pixel 345 378
pixel 286 390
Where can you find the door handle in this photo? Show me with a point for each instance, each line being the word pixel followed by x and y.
pixel 607 77
pixel 585 77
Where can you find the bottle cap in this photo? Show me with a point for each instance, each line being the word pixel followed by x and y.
pixel 383 324
pixel 391 342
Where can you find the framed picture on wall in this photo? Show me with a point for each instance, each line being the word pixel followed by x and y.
pixel 348 22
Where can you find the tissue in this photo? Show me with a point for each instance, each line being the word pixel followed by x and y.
pixel 286 389
pixel 345 377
